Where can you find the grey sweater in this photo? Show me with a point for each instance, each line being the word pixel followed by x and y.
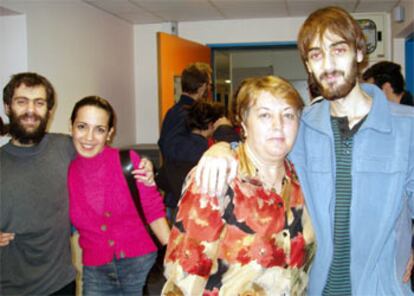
pixel 34 205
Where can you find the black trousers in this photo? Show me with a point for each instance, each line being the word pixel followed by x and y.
pixel 412 280
pixel 68 290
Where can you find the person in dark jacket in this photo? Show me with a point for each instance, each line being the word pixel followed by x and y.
pixel 201 120
pixel 387 76
pixel 177 142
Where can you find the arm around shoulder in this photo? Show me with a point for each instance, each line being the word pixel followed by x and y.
pixel 151 200
pixel 192 249
pixel 216 169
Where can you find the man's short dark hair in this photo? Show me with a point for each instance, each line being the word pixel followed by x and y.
pixel 383 72
pixel 194 76
pixel 30 80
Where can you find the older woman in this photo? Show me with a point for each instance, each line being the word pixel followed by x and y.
pixel 257 238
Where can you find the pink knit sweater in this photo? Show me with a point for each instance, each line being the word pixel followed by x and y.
pixel 102 210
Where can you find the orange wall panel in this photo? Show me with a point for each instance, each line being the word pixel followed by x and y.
pixel 174 54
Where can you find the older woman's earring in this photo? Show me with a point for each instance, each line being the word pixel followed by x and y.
pixel 243 131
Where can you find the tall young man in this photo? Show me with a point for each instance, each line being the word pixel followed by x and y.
pixel 355 157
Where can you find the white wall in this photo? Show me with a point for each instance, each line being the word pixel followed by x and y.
pixel 404 28
pixel 400 30
pixel 399 53
pixel 82 51
pixel 285 62
pixel 146 82
pixel 13 50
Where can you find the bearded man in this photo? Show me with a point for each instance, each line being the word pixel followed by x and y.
pixel 355 156
pixel 35 255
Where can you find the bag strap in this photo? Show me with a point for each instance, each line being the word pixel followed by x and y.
pixel 127 168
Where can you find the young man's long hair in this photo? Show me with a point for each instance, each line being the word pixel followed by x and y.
pixel 337 21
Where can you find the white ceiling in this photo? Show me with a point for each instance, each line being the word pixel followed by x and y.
pixel 159 11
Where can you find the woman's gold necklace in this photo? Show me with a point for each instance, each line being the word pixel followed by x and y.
pixel 273 184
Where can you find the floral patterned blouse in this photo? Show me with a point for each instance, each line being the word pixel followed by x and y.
pixel 251 242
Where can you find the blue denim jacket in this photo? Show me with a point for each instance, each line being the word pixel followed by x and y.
pixel 382 194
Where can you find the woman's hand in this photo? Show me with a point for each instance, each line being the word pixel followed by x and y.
pixel 6 238
pixel 216 169
pixel 409 269
pixel 145 172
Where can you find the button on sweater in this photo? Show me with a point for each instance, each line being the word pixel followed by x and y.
pixel 102 210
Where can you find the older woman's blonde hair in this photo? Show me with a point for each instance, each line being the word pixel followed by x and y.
pixel 251 88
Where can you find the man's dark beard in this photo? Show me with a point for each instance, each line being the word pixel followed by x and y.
pixel 18 131
pixel 340 91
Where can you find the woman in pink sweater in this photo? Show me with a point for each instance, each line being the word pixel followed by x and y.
pixel 117 251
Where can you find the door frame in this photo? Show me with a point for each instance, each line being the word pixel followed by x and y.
pixel 409 62
pixel 244 46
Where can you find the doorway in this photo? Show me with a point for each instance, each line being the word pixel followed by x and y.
pixel 235 62
pixel 409 62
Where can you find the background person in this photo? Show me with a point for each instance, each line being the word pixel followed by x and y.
pixel 177 142
pixel 387 76
pixel 201 120
pixel 117 251
pixel 257 239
